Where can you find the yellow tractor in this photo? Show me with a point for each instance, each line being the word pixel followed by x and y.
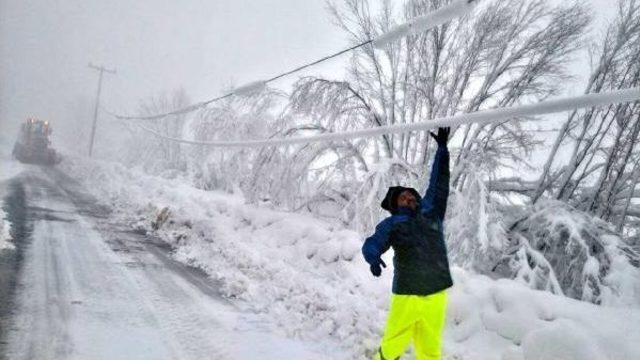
pixel 33 145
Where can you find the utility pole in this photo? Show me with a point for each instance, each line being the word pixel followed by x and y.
pixel 102 70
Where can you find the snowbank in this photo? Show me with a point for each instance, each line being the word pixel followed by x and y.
pixel 306 275
pixel 5 226
pixel 8 170
pixel 308 278
pixel 489 319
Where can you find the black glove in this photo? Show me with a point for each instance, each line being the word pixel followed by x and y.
pixel 375 268
pixel 442 137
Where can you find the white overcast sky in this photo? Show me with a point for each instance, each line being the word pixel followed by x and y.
pixel 155 45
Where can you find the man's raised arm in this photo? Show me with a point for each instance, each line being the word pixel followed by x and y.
pixel 435 199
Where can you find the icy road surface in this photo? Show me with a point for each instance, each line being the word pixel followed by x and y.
pixel 92 289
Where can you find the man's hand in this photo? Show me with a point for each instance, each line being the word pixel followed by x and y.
pixel 375 268
pixel 442 137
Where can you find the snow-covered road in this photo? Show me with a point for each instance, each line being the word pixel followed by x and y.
pixel 92 289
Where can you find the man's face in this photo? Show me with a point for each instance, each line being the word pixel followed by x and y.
pixel 408 200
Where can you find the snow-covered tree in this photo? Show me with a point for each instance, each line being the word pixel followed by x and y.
pixel 239 118
pixel 475 228
pixel 601 175
pixel 153 153
pixel 542 232
pixel 506 51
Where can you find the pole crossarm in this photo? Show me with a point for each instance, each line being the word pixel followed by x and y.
pixel 480 117
pixel 102 68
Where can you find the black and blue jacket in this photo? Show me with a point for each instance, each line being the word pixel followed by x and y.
pixel 420 262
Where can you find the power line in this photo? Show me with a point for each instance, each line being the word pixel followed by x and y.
pixel 319 61
pixel 480 117
pixel 246 88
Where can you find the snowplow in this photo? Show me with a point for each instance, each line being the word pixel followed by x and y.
pixel 33 145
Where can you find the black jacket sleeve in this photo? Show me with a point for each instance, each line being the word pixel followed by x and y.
pixel 435 199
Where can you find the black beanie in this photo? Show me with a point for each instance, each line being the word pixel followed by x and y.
pixel 389 201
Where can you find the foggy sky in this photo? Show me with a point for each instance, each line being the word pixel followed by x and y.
pixel 155 46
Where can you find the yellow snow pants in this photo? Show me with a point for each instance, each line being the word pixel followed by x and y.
pixel 417 318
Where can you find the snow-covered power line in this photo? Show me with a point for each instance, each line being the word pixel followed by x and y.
pixel 480 117
pixel 244 90
pixel 250 88
pixel 419 24
pixel 423 23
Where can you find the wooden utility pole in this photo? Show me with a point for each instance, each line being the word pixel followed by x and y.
pixel 102 70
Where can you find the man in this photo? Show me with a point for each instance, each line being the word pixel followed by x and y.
pixel 421 268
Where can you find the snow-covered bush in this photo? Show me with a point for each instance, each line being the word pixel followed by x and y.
pixel 549 246
pixel 560 249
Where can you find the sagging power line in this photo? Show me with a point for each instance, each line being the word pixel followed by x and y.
pixel 480 117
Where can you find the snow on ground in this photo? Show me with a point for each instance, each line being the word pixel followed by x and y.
pixel 5 237
pixel 307 277
pixel 489 319
pixel 8 170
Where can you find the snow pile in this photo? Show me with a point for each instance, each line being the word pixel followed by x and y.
pixel 560 249
pixel 307 276
pixel 489 319
pixel 5 236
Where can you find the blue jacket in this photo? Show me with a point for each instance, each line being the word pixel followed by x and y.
pixel 420 262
